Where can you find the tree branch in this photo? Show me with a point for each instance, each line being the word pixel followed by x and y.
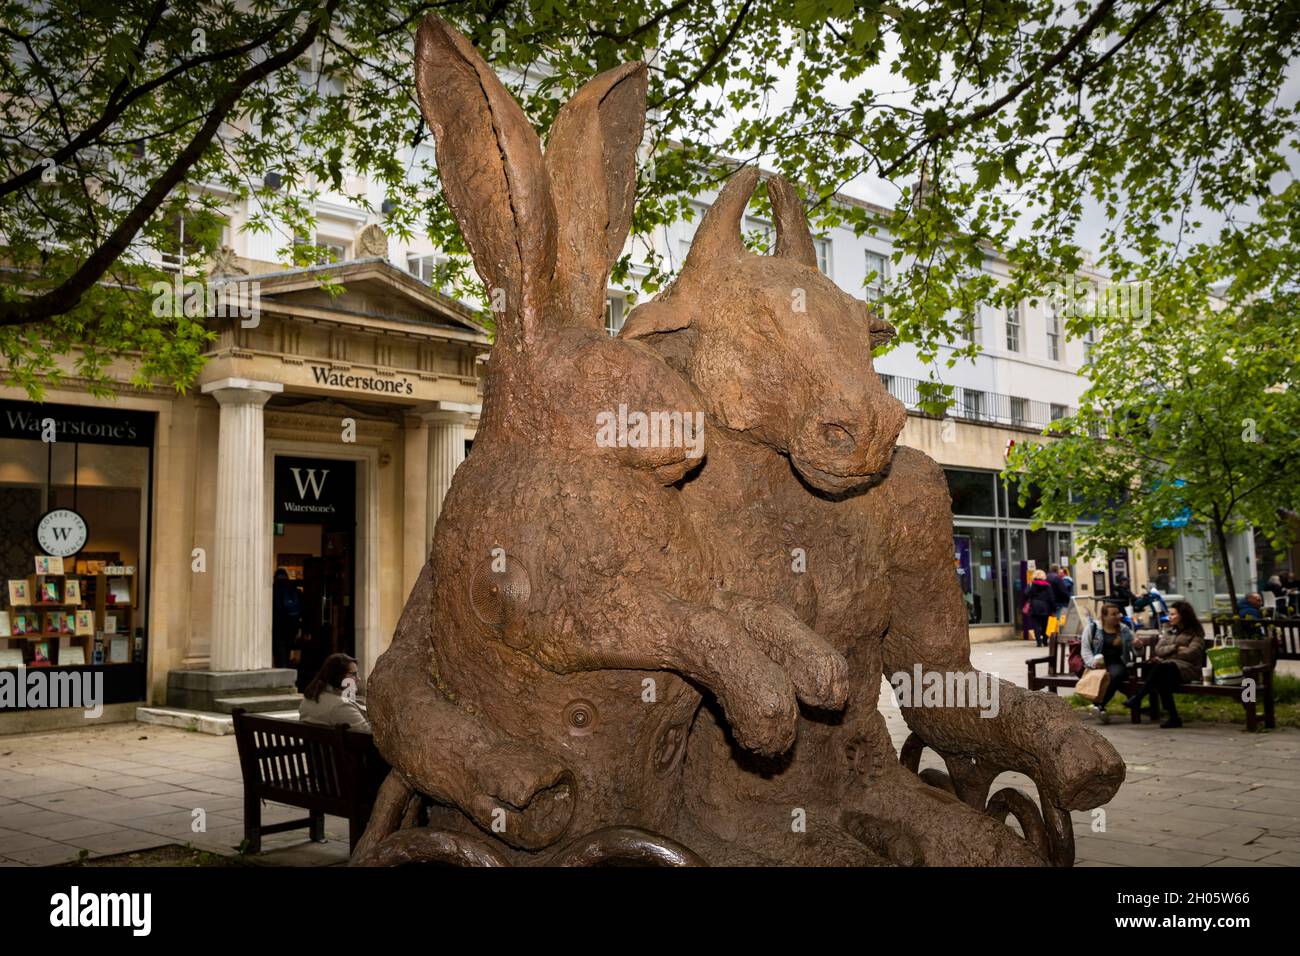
pixel 713 58
pixel 1086 29
pixel 1079 75
pixel 67 294
pixel 114 109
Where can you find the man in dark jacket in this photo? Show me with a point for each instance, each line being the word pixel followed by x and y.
pixel 1057 583
pixel 1250 610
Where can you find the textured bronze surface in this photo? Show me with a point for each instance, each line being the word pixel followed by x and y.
pixel 640 653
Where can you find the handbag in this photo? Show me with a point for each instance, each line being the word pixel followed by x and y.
pixel 1226 661
pixel 1074 657
pixel 1074 652
pixel 1093 684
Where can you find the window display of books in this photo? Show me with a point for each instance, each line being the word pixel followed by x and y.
pixel 72 614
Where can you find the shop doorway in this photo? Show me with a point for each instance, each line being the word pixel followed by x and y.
pixel 314 554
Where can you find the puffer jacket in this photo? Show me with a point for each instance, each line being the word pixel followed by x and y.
pixel 1185 649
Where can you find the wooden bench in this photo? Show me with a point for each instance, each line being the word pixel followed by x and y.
pixel 1058 667
pixel 1285 632
pixel 320 769
pixel 1058 675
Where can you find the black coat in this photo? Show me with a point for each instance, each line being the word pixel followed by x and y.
pixel 1059 590
pixel 1042 599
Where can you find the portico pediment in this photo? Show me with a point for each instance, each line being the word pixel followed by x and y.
pixel 371 293
pixel 362 329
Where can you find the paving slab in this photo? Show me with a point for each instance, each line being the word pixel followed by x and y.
pixel 1204 795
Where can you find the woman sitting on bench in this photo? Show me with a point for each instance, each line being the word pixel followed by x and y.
pixel 331 697
pixel 1181 655
pixel 1108 645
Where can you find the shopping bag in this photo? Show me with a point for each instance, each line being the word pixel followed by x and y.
pixel 1093 684
pixel 1226 661
pixel 1053 625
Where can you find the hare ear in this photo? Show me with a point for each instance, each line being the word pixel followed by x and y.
pixel 490 162
pixel 718 237
pixel 591 159
pixel 793 237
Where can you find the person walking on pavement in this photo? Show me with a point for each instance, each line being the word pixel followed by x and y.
pixel 1042 605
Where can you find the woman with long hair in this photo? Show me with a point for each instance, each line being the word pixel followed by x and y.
pixel 1181 655
pixel 331 699
pixel 1107 643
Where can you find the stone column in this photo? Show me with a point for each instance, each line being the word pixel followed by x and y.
pixel 446 427
pixel 415 494
pixel 241 578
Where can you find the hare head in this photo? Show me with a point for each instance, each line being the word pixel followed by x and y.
pixel 543 233
pixel 778 352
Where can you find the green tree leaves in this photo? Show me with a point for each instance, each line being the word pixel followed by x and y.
pixel 1023 114
pixel 1192 413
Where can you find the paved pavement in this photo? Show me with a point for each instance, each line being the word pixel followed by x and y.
pixel 1202 795
pixel 1205 795
pixel 125 787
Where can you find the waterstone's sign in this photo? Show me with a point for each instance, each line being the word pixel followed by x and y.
pixel 93 424
pixel 364 383
pixel 313 489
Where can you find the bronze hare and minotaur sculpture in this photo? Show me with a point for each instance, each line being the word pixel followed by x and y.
pixel 657 651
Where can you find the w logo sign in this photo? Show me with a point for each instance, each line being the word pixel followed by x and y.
pixel 311 481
